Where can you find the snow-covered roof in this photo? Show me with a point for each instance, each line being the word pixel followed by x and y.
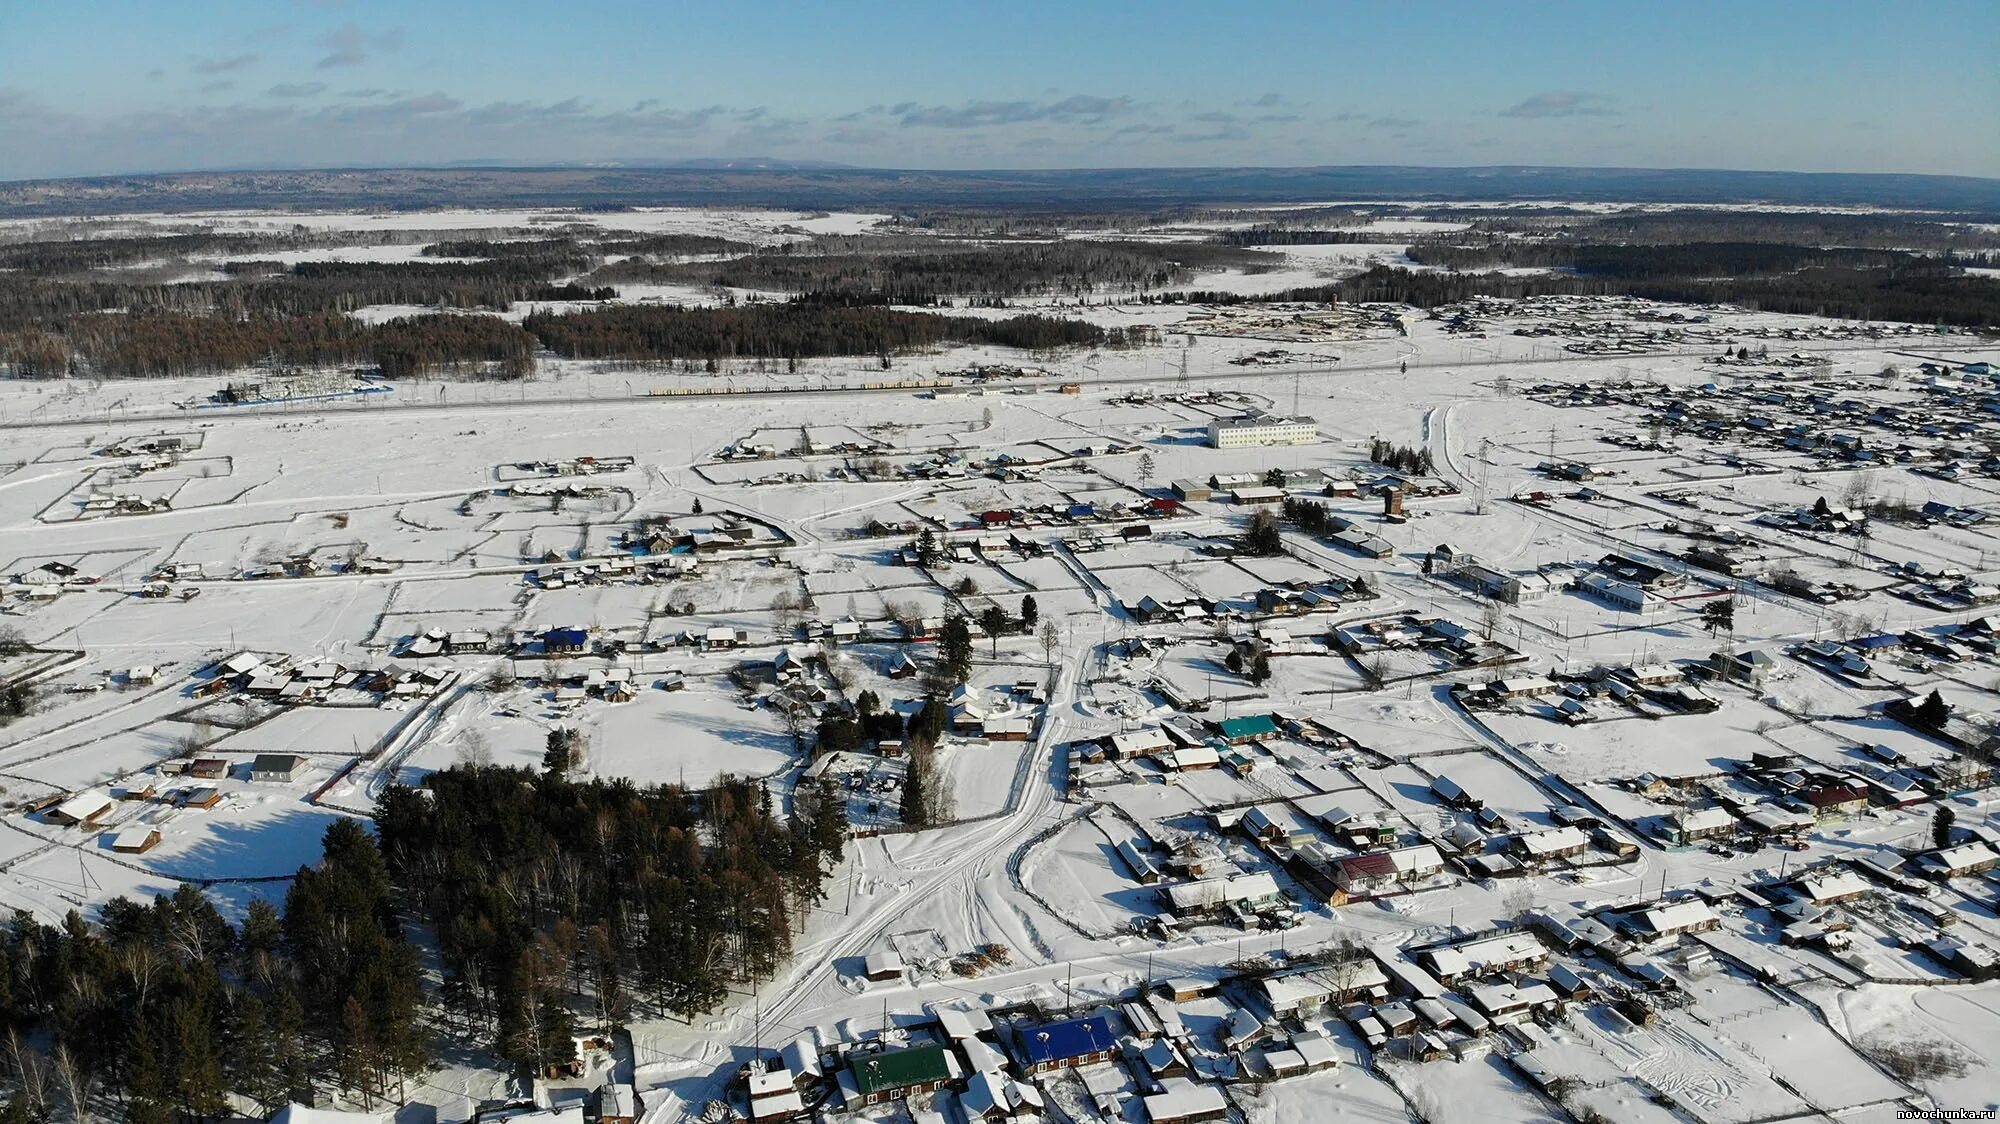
pixel 801 1056
pixel 1211 892
pixel 1554 841
pixel 1138 743
pixel 1831 884
pixel 1680 915
pixel 1507 948
pixel 83 806
pixel 1703 819
pixel 1964 855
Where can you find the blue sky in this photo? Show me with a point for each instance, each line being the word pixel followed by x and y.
pixel 106 86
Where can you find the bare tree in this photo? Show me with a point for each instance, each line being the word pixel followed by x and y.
pixel 1051 638
pixel 74 1081
pixel 473 751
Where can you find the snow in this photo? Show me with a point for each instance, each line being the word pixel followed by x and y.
pixel 1033 864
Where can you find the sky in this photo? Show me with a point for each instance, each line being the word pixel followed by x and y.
pixel 107 87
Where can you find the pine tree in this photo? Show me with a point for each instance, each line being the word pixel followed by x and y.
pixel 253 1053
pixel 1941 827
pixel 1263 539
pixel 199 1087
pixel 955 648
pixel 1030 612
pixel 1933 712
pixel 994 621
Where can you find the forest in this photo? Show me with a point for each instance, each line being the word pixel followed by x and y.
pixel 173 343
pixel 1924 294
pixel 787 331
pixel 164 1009
pixel 914 271
pixel 541 887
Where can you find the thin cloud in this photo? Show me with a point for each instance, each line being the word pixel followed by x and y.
pixel 1393 123
pixel 225 65
pixel 348 45
pixel 1562 104
pixel 856 136
pixel 295 90
pixel 1084 108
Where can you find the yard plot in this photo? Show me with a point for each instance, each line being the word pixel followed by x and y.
pixel 251 834
pixel 1687 743
pixel 690 736
pixel 514 742
pixel 1490 779
pixel 982 774
pixel 1133 584
pixel 493 593
pixel 1473 1092
pixel 111 756
pixel 273 616
pixel 1221 581
pixel 1349 1092
pixel 1683 1059
pixel 337 730
pixel 1277 571
pixel 1955 1022
pixel 1079 874
pixel 1041 574
pixel 854 574
pixel 56 881
pixel 598 606
pixel 1798 1048
pixel 1409 719
pixel 1199 670
pixel 1160 551
pixel 1406 790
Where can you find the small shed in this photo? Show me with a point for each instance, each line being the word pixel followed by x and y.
pixel 277 767
pixel 136 840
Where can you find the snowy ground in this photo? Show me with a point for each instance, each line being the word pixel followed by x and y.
pixel 409 478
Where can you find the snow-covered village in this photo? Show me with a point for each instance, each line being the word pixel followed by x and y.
pixel 1555 707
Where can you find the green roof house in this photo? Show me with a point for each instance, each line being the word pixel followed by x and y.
pixel 1249 728
pixel 894 1074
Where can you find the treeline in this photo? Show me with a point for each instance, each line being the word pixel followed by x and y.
pixel 541 887
pixel 549 256
pixel 301 290
pixel 1685 225
pixel 1921 294
pixel 91 250
pixel 933 271
pixel 1274 235
pixel 1402 458
pixel 673 245
pixel 169 344
pixel 788 331
pixel 161 1011
pixel 1650 262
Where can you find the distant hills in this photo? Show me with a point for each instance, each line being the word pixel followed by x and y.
pixel 756 181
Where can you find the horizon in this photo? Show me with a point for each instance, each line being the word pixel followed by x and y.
pixel 130 89
pixel 758 163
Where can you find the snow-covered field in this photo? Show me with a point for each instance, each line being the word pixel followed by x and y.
pixel 407 507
